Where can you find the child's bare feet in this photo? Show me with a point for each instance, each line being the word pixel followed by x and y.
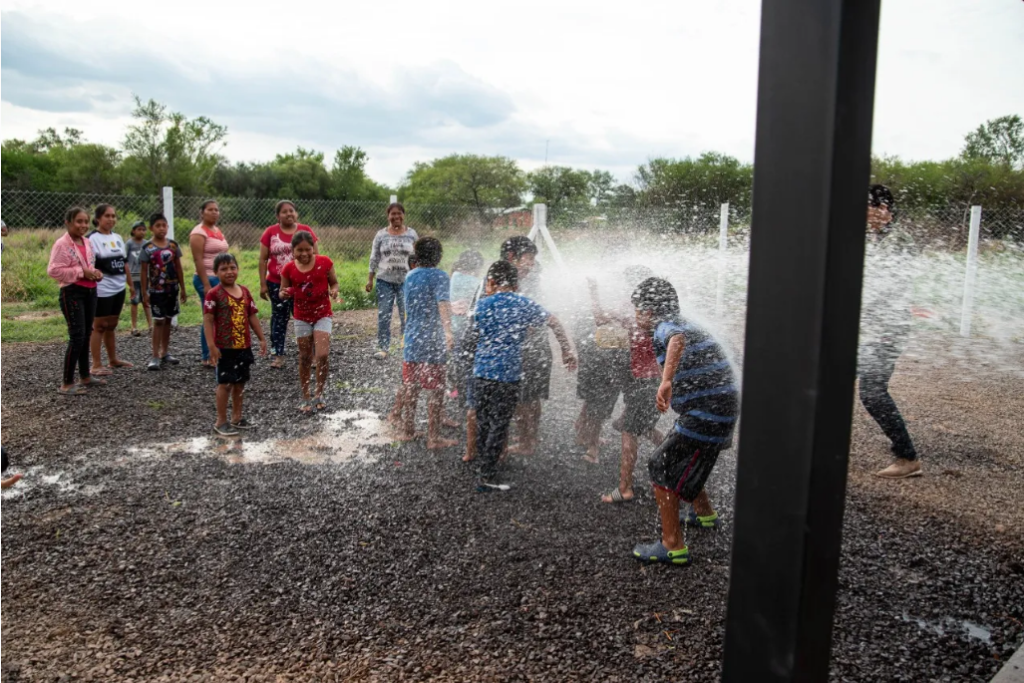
pixel 469 457
pixel 439 444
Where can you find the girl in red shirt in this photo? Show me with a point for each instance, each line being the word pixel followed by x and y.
pixel 309 281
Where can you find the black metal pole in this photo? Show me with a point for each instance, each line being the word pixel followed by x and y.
pixel 812 166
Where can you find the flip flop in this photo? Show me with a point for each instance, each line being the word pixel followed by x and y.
pixel 93 382
pixel 616 497
pixel 319 403
pixel 101 372
pixel 306 407
pixel 656 553
pixel 74 390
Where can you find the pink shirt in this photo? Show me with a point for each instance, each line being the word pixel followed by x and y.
pixel 68 261
pixel 213 244
pixel 82 282
pixel 280 246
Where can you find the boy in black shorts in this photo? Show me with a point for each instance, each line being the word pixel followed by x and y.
pixel 161 278
pixel 697 383
pixel 228 313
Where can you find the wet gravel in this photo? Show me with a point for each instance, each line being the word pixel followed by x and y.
pixel 188 568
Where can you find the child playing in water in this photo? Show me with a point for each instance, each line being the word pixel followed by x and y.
pixel 309 280
pixel 502 319
pixel 465 283
pixel 697 383
pixel 428 337
pixel 161 278
pixel 228 313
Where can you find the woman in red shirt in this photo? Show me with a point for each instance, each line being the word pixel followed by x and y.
pixel 309 281
pixel 275 254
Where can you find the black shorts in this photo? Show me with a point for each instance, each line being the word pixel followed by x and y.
pixel 641 413
pixel 233 366
pixel 537 361
pixel 682 465
pixel 110 306
pixel 137 288
pixel 164 305
pixel 603 374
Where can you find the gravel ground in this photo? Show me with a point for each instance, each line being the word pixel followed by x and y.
pixel 139 565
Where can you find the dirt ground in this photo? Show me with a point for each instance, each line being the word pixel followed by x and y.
pixel 289 560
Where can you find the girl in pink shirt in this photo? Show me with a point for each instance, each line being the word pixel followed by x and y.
pixel 73 265
pixel 206 241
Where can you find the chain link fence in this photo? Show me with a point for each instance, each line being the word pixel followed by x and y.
pixel 346 230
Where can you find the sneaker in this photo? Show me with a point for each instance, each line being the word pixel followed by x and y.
pixel 153 364
pixel 709 522
pixel 170 360
pixel 225 429
pixel 901 469
pixel 381 355
pixel 243 424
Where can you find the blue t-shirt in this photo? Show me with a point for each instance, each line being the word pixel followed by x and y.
pixel 704 391
pixel 424 332
pixel 502 321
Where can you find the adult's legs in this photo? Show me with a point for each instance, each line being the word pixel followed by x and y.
pixel 878 365
pixel 400 301
pixel 280 313
pixel 96 345
pixel 386 294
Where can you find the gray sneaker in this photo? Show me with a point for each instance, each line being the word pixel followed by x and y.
pixel 170 360
pixel 225 429
pixel 153 364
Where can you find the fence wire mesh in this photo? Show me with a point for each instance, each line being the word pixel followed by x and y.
pixel 346 230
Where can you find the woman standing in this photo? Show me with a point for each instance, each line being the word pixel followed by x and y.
pixel 275 254
pixel 72 265
pixel 389 255
pixel 206 241
pixel 111 260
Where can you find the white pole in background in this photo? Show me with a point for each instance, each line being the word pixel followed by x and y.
pixel 394 199
pixel 169 210
pixel 723 246
pixel 972 272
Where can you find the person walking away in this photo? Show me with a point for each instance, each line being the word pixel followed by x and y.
pixel 389 264
pixel 502 319
pixel 134 250
pixel 885 326
pixel 72 265
pixel 111 260
pixel 206 242
pixel 428 338
pixel 697 383
pixel 228 313
pixel 310 282
pixel 162 285
pixel 275 254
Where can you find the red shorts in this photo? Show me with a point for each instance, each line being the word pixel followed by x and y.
pixel 429 376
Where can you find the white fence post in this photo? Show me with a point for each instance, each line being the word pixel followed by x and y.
pixel 723 246
pixel 394 199
pixel 540 227
pixel 971 274
pixel 169 210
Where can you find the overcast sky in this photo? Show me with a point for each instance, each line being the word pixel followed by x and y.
pixel 593 85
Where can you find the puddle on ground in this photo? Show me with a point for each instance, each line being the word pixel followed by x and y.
pixel 951 625
pixel 343 437
pixel 37 477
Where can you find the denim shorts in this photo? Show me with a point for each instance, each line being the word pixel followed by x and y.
pixel 304 329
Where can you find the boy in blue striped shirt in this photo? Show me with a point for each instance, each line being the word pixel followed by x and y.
pixel 698 384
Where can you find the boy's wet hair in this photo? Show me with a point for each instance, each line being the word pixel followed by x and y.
pixel 658 297
pixel 469 260
pixel 222 259
pixel 517 246
pixel 428 252
pixel 301 236
pixel 880 195
pixel 504 274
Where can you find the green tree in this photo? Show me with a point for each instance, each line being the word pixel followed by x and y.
pixel 171 149
pixel 561 188
pixel 482 183
pixel 685 184
pixel 302 174
pixel 998 141
pixel 349 180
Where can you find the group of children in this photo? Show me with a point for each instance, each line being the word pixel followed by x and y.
pixel 487 342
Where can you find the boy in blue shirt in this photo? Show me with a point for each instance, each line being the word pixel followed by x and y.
pixel 697 383
pixel 428 337
pixel 502 320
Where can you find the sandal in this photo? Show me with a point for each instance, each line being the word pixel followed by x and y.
pixel 73 390
pixel 101 372
pixel 93 382
pixel 616 497
pixel 319 403
pixel 277 363
pixel 696 522
pixel 306 406
pixel 656 553
pixel 136 333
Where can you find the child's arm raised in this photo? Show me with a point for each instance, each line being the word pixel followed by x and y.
pixel 568 358
pixel 673 355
